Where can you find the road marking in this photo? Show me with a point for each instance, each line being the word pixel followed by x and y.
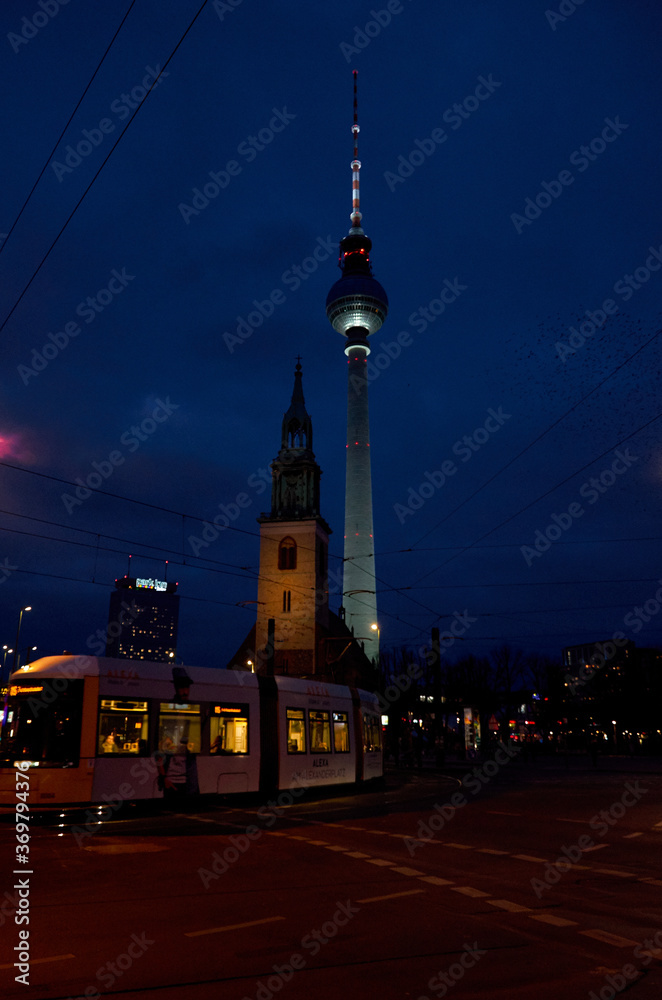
pixel 380 832
pixel 232 927
pixel 489 850
pixel 355 854
pixel 434 880
pixel 651 881
pixel 528 857
pixel 549 918
pixel 391 895
pixel 40 961
pixel 505 904
pixel 335 847
pixel 612 871
pixel 596 847
pixel 460 847
pixel 467 890
pixel 607 938
pixel 319 843
pixel 126 848
pixel 657 826
pixel 406 871
pixel 561 819
pixel 629 836
pixel 379 861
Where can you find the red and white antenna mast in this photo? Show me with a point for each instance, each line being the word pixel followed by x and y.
pixel 356 164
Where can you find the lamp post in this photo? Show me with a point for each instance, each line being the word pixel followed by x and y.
pixel 28 607
pixel 6 650
pixel 26 649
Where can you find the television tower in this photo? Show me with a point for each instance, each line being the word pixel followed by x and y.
pixel 356 307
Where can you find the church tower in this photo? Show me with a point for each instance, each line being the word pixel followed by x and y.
pixel 294 542
pixel 356 307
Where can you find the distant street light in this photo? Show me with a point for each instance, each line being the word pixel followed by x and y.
pixel 26 649
pixel 28 607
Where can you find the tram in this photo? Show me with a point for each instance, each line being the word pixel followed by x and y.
pixel 87 728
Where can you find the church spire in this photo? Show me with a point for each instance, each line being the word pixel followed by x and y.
pixel 297 430
pixel 295 483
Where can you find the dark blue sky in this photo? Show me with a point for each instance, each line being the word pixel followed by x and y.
pixel 558 119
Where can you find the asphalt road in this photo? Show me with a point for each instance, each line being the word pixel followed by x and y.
pixel 533 882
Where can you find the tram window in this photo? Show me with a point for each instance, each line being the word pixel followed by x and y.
pixel 320 732
pixel 228 730
pixel 340 732
pixel 372 736
pixel 44 722
pixel 122 727
pixel 179 723
pixel 296 730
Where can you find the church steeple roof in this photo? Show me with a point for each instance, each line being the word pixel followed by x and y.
pixel 297 429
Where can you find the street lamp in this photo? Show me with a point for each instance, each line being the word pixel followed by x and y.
pixel 26 649
pixel 28 607
pixel 6 650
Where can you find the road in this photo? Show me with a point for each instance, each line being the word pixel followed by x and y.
pixel 531 881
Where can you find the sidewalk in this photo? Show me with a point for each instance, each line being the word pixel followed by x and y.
pixel 575 763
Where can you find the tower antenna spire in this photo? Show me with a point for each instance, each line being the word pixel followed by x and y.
pixel 356 164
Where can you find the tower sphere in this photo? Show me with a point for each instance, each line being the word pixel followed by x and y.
pixel 356 301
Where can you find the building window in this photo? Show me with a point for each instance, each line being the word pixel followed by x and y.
pixel 287 598
pixel 287 554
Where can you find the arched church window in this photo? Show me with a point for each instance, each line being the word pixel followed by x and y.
pixel 287 554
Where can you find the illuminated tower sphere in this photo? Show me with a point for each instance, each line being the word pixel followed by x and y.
pixel 356 307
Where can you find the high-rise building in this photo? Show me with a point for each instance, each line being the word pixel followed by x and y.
pixel 356 307
pixel 142 621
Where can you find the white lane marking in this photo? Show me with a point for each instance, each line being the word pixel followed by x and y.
pixel 596 847
pixel 380 832
pixel 379 861
pixel 355 854
pixel 613 871
pixel 505 904
pixel 460 847
pixel 629 836
pixel 467 890
pixel 651 881
pixel 434 880
pixel 657 826
pixel 391 895
pixel 40 961
pixel 549 918
pixel 489 850
pixel 335 847
pixel 614 939
pixel 528 857
pixel 232 927
pixel 319 843
pixel 406 871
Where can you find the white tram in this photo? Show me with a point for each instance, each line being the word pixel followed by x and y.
pixel 94 728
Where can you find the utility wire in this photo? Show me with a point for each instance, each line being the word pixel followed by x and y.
pixel 64 130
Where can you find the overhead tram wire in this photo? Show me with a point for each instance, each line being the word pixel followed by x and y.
pixel 84 194
pixel 537 439
pixel 552 489
pixel 64 130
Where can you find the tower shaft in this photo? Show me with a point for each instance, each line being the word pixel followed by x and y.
pixel 359 588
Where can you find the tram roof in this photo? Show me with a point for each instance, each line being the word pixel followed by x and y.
pixel 74 667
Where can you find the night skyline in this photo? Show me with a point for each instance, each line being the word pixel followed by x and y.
pixel 509 187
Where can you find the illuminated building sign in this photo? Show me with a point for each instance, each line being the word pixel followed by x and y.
pixel 151 584
pixel 15 689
